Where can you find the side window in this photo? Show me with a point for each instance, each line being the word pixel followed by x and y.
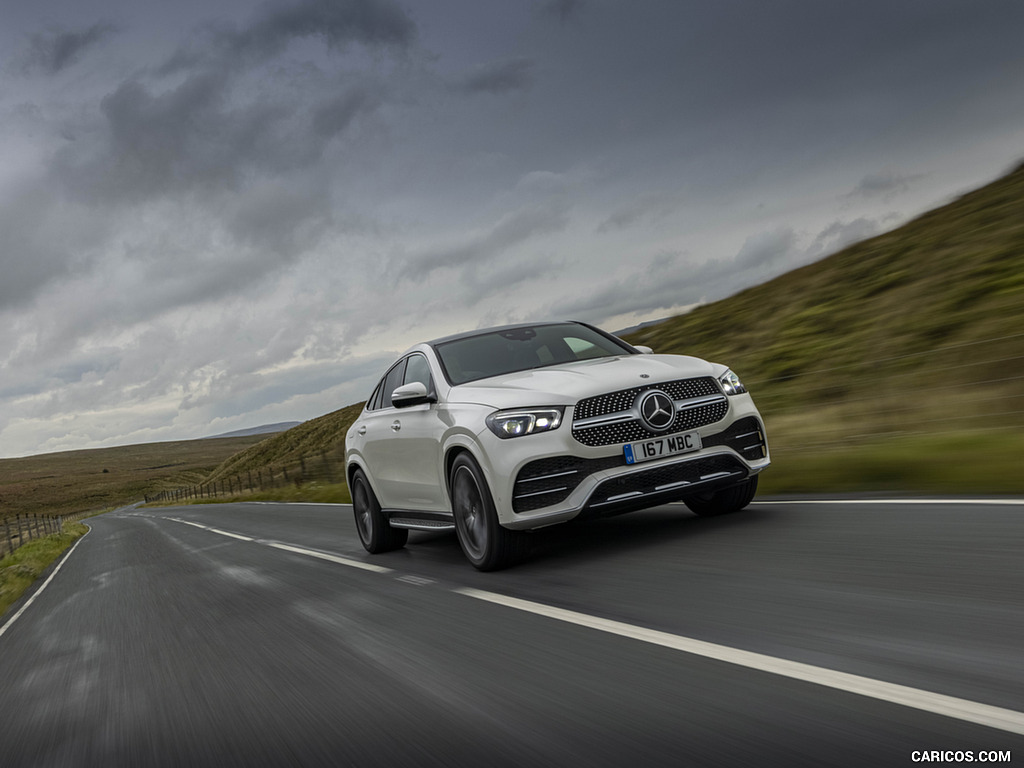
pixel 374 402
pixel 392 382
pixel 418 369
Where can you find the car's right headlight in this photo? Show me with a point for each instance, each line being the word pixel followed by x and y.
pixel 521 422
pixel 731 383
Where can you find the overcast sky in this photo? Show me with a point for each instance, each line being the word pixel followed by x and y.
pixel 219 215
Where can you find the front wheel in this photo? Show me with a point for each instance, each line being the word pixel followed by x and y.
pixel 375 532
pixel 726 500
pixel 486 544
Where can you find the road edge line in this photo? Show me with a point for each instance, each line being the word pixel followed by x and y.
pixel 46 583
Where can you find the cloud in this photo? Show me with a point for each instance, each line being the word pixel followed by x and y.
pixel 337 23
pixel 511 229
pixel 884 184
pixel 54 51
pixel 563 10
pixel 499 77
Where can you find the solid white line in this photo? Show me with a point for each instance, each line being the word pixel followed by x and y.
pixel 1001 502
pixel 46 583
pixel 936 703
pixel 331 558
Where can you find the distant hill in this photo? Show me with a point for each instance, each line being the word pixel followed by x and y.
pixel 896 362
pixel 266 429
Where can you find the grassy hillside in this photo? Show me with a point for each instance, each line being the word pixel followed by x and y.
pixel 902 356
pixel 895 363
pixel 79 481
pixel 325 434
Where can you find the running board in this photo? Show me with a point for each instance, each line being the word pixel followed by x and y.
pixel 422 525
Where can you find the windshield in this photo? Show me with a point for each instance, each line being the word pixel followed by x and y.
pixel 496 352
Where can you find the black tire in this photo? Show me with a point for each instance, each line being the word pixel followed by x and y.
pixel 486 544
pixel 373 528
pixel 726 500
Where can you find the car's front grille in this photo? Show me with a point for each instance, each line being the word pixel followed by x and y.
pixel 628 428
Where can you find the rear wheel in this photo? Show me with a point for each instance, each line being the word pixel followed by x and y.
pixel 375 532
pixel 486 544
pixel 725 500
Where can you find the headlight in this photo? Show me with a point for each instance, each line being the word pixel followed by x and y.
pixel 524 422
pixel 731 383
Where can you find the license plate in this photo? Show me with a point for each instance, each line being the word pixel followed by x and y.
pixel 646 450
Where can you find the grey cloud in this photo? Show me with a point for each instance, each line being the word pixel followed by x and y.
pixel 563 10
pixel 511 230
pixel 766 249
pixel 336 114
pixel 647 209
pixel 55 51
pixel 839 234
pixel 499 77
pixel 884 184
pixel 336 22
pixel 196 137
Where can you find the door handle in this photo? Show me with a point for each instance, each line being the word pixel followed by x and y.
pixel 396 425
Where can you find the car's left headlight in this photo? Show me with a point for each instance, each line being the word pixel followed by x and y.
pixel 731 383
pixel 521 422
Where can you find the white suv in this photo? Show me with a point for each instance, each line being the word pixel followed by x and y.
pixel 500 431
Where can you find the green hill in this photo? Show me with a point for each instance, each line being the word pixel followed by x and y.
pixel 896 363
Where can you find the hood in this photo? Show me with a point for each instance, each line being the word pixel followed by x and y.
pixel 569 383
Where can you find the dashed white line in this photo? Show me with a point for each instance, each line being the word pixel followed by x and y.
pixel 936 703
pixel 229 533
pixel 332 558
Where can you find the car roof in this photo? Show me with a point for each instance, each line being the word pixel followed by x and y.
pixel 497 328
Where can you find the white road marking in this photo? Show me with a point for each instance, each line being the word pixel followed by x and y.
pixel 292 548
pixel 232 535
pixel 999 502
pixel 332 558
pixel 187 522
pixel 936 703
pixel 46 583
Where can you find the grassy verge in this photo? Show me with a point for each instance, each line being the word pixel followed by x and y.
pixel 23 566
pixel 976 463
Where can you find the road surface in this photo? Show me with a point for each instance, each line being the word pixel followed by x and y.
pixel 795 633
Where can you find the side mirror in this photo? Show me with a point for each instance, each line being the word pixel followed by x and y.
pixel 413 393
pixel 645 350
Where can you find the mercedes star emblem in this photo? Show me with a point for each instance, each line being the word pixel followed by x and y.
pixel 657 410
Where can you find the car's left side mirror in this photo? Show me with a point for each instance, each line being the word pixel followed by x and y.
pixel 413 393
pixel 645 350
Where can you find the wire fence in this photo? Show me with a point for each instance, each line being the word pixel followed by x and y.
pixel 324 467
pixel 21 529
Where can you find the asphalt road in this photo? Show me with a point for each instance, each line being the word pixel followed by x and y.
pixel 251 634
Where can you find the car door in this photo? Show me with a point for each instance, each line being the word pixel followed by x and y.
pixel 401 446
pixel 416 447
pixel 377 438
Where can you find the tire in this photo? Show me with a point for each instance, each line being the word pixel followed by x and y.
pixel 722 502
pixel 485 543
pixel 375 532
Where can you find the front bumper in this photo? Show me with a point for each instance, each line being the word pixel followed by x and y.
pixel 556 488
